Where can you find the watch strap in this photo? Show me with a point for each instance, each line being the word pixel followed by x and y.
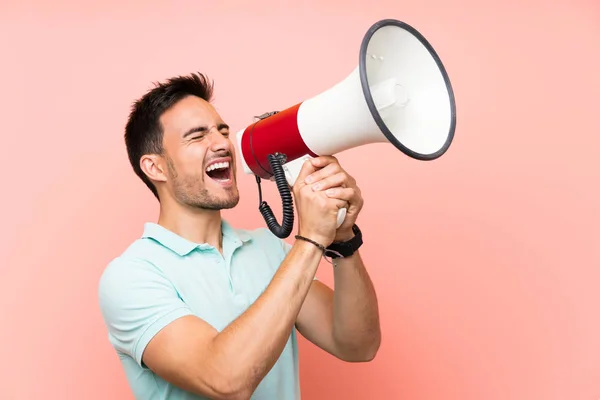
pixel 347 248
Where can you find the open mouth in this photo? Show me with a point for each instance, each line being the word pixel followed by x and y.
pixel 220 172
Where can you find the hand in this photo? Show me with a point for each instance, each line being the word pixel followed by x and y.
pixel 317 212
pixel 331 179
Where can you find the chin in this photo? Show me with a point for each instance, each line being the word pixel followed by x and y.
pixel 224 201
pixel 220 185
pixel 232 197
pixel 219 203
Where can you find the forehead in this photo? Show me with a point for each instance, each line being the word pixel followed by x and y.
pixel 188 113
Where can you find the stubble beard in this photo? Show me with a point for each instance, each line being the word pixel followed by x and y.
pixel 187 191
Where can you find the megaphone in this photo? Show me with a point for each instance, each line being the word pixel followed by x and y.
pixel 399 93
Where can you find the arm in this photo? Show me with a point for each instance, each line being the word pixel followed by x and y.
pixel 356 329
pixel 148 321
pixel 192 355
pixel 344 322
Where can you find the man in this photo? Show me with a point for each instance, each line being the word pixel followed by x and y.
pixel 197 309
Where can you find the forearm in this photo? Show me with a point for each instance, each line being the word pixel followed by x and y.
pixel 249 347
pixel 356 329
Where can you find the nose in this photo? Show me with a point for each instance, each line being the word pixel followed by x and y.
pixel 219 141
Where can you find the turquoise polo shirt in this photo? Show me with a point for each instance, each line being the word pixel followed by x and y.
pixel 161 277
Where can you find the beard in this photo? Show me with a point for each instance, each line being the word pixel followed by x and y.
pixel 191 192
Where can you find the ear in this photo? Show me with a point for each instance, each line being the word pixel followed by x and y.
pixel 154 167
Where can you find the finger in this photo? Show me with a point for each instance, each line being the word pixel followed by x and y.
pixel 339 179
pixel 323 161
pixel 306 170
pixel 339 203
pixel 327 202
pixel 322 173
pixel 340 193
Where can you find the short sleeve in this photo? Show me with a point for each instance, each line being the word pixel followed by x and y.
pixel 136 301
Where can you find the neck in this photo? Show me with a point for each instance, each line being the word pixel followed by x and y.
pixel 195 225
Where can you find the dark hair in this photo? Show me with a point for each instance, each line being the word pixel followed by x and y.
pixel 144 132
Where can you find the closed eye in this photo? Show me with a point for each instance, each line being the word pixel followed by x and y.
pixel 223 128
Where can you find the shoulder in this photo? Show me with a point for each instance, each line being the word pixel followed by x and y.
pixel 135 258
pixel 129 273
pixel 137 299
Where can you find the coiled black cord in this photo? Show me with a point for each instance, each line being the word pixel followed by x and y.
pixel 282 231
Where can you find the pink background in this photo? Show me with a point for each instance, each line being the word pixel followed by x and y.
pixel 486 262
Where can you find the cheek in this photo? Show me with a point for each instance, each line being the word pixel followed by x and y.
pixel 192 160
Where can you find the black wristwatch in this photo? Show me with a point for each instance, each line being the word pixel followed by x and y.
pixel 347 248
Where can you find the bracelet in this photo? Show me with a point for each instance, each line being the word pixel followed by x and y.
pixel 319 245
pixel 326 252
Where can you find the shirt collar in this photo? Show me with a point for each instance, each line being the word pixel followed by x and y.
pixel 182 246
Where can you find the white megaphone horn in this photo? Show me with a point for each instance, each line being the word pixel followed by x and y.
pixel 399 93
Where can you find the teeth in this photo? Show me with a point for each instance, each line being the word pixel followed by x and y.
pixel 221 165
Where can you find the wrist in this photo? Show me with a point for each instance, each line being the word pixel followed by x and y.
pixel 348 245
pixel 344 236
pixel 318 238
pixel 310 244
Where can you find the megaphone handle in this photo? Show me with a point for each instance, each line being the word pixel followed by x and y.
pixel 292 170
pixel 341 216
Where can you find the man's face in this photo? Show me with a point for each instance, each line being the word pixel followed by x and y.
pixel 200 157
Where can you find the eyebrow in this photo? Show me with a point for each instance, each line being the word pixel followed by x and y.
pixel 203 128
